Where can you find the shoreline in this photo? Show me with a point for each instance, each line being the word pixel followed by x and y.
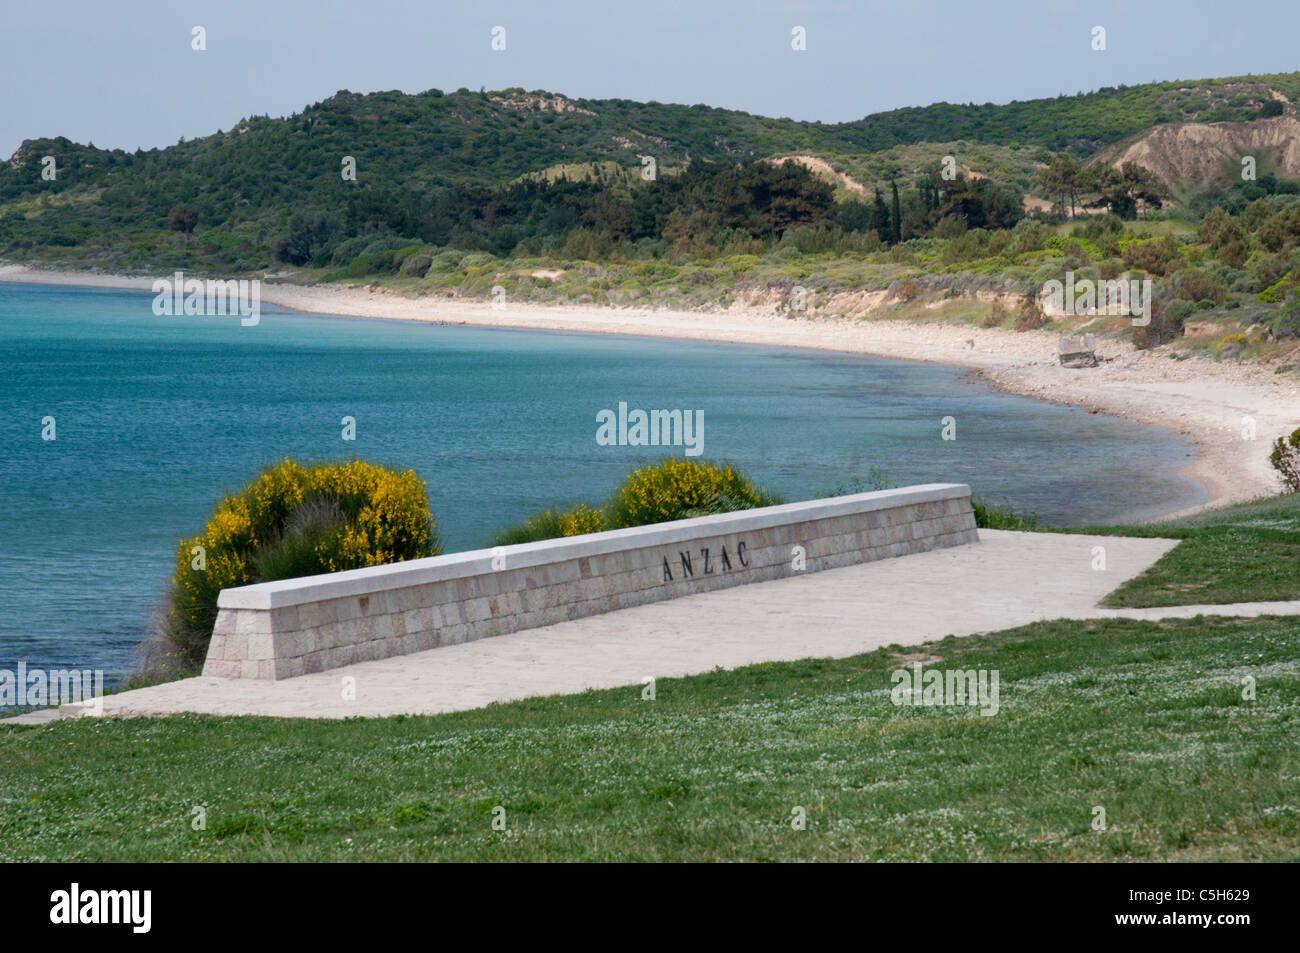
pixel 1205 400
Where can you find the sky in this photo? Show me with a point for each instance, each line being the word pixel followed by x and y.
pixel 124 74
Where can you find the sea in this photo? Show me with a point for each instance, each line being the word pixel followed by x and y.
pixel 155 417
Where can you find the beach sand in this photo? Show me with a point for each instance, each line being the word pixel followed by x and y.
pixel 1218 405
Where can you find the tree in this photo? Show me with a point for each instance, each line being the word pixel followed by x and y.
pixel 1120 190
pixel 884 231
pixel 309 235
pixel 898 214
pixel 1217 228
pixel 183 218
pixel 981 204
pixel 854 216
pixel 1062 178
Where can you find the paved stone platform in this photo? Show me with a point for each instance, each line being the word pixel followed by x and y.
pixel 1005 580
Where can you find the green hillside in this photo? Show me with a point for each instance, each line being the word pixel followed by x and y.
pixel 468 169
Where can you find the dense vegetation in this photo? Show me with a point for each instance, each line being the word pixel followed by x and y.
pixel 1229 283
pixel 444 169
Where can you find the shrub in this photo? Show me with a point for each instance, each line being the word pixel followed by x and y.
pixel 1166 324
pixel 1000 516
pixel 181 218
pixel 1285 324
pixel 1075 253
pixel 1030 317
pixel 1157 257
pixel 1280 230
pixel 1278 291
pixel 1099 227
pixel 445 262
pixel 417 266
pixel 1030 236
pixel 996 317
pixel 294 520
pixel 1110 268
pixel 1286 460
pixel 874 482
pixel 674 489
pixel 1232 346
pixel 1217 228
pixel 549 524
pixel 345 251
pixel 1191 285
pixel 669 490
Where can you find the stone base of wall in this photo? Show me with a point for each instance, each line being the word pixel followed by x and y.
pixel 295 627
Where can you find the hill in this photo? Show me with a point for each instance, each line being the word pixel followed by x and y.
pixel 436 166
pixel 1194 156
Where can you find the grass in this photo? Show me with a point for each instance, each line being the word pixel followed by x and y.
pixel 1244 553
pixel 1146 720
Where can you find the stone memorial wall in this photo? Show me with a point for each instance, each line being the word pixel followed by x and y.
pixel 293 627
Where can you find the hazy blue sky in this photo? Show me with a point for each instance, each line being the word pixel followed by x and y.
pixel 123 74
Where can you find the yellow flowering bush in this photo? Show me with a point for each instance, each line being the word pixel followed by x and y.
pixel 549 524
pixel 579 520
pixel 677 489
pixel 669 490
pixel 295 519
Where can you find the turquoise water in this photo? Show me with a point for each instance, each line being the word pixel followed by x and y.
pixel 155 416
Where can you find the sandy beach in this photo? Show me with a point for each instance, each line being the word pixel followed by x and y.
pixel 1217 404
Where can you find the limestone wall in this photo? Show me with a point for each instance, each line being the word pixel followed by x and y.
pixel 293 627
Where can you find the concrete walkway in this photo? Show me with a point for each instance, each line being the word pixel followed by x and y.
pixel 1007 579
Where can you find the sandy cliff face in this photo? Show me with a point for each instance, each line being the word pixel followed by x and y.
pixel 824 170
pixel 1202 154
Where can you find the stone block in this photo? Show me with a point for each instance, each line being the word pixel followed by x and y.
pixel 1077 350
pixel 253 621
pixel 285 619
pixel 260 646
pixel 222 668
pixel 289 668
pixel 347 609
pixel 312 615
pixel 236 646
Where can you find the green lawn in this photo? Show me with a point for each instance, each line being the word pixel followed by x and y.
pixel 1145 720
pixel 1244 553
